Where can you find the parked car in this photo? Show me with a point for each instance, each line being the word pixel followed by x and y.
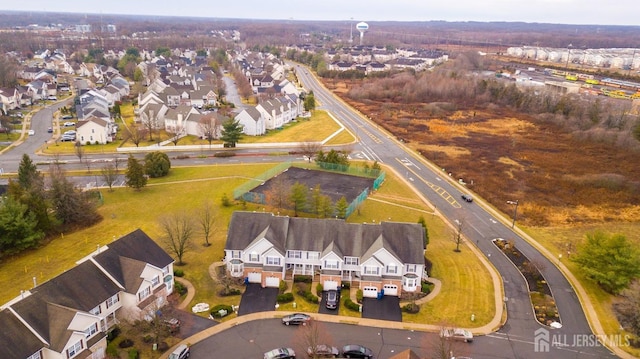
pixel 467 197
pixel 332 299
pixel 67 117
pixel 67 138
pixel 280 353
pixel 50 130
pixel 68 124
pixel 457 334
pixel 181 352
pixel 32 132
pixel 296 319
pixel 356 351
pixel 323 351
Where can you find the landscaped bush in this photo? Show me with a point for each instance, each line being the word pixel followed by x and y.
pixel 426 287
pixel 285 298
pixel 112 350
pixel 319 289
pixel 214 311
pixel 180 288
pixel 282 287
pixel 302 279
pixel 126 343
pixel 311 298
pixel 133 354
pixel 349 304
pixel 148 338
pixel 178 273
pixel 224 154
pixel 113 333
pixel 412 308
pixel 359 295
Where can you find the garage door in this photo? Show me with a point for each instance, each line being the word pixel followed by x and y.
pixel 255 277
pixel 330 285
pixel 370 292
pixel 390 289
pixel 273 282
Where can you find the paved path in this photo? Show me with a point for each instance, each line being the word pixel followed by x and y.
pixel 191 292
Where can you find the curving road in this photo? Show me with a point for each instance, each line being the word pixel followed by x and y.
pixel 516 338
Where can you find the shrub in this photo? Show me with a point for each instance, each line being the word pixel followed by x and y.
pixel 349 304
pixel 163 346
pixel 346 285
pixel 226 202
pixel 180 288
pixel 285 298
pixel 224 154
pixel 126 343
pixel 178 273
pixel 148 338
pixel 156 164
pixel 412 308
pixel 311 298
pixel 282 287
pixel 112 350
pixel 319 289
pixel 359 295
pixel 133 354
pixel 426 287
pixel 113 333
pixel 226 292
pixel 302 279
pixel 215 310
pixel 301 288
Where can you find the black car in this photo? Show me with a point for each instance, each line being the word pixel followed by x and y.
pixel 356 351
pixel 296 319
pixel 467 197
pixel 332 299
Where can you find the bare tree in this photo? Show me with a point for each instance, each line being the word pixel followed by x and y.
pixel 456 235
pixel 79 150
pixel 309 337
pixel 309 149
pixel 117 161
pixel 278 195
pixel 136 134
pixel 208 127
pixel 178 231
pixel 207 219
pixel 176 133
pixel 109 175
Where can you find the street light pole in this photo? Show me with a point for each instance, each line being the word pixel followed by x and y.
pixel 515 211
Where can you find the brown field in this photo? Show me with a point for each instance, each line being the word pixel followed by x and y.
pixel 559 180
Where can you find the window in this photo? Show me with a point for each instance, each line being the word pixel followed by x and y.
pixel 371 270
pixel 93 130
pixel 313 255
pixel 74 349
pixel 93 329
pixel 145 293
pixel 95 311
pixel 35 355
pixel 113 301
pixel 236 254
pixel 254 257
pixel 351 261
pixel 155 281
pixel 331 264
pixel 294 254
pixel 411 268
pixel 410 282
pixel 392 268
pixel 274 261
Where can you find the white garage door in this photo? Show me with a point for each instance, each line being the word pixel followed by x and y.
pixel 330 285
pixel 273 282
pixel 390 289
pixel 370 292
pixel 255 277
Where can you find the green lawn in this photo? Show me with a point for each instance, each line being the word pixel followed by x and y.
pixel 187 188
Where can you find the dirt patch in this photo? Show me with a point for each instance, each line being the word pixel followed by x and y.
pixel 558 179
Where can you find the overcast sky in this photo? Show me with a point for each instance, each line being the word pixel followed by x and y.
pixel 601 12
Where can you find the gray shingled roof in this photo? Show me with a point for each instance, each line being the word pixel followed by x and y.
pixel 404 240
pixel 17 341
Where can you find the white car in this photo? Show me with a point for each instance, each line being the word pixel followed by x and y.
pixel 457 334
pixel 32 132
pixel 68 124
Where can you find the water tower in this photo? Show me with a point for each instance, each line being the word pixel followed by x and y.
pixel 362 27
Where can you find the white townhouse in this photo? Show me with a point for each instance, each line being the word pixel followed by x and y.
pixel 386 258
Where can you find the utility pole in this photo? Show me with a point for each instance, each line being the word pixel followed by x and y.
pixel 515 211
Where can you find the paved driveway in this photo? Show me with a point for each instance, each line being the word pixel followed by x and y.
pixel 387 308
pixel 323 308
pixel 191 324
pixel 257 299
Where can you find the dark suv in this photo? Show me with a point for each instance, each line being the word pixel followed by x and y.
pixel 332 299
pixel 467 197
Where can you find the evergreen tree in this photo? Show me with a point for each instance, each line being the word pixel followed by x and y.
pixel 134 176
pixel 298 197
pixel 18 228
pixel 156 164
pixel 29 190
pixel 71 205
pixel 341 207
pixel 423 222
pixel 231 132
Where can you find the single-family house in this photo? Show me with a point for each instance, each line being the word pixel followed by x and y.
pixel 93 130
pixel 252 122
pixel 385 258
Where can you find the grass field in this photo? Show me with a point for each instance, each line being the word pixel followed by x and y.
pixel 187 188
